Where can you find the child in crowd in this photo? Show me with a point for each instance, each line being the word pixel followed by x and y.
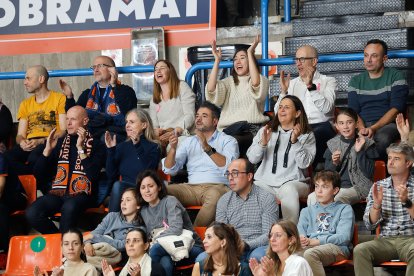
pixel 326 227
pixel 108 239
pixel 352 156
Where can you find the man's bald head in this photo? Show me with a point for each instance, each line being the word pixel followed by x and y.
pixel 76 117
pixel 309 51
pixel 40 71
pixel 106 59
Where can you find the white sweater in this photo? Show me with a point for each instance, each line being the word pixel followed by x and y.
pixel 239 103
pixel 300 157
pixel 177 112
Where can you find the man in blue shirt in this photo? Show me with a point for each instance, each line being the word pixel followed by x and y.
pixel 206 155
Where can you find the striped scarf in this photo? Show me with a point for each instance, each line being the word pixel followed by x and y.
pixel 109 107
pixel 75 175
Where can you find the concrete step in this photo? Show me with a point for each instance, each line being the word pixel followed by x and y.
pixel 343 79
pixel 347 7
pixel 352 42
pixel 344 24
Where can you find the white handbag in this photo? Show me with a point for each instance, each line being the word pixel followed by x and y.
pixel 177 246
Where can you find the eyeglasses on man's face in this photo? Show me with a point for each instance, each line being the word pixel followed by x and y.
pixel 302 59
pixel 233 174
pixel 99 66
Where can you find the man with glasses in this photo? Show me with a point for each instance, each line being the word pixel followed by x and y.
pixel 317 93
pixel 249 208
pixel 206 156
pixel 378 95
pixel 107 101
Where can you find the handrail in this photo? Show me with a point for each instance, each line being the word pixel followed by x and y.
pixel 289 60
pixel 79 72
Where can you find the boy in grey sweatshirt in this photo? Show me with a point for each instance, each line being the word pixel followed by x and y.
pixel 326 227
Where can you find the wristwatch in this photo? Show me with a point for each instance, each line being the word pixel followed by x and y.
pixel 211 151
pixel 311 87
pixel 408 204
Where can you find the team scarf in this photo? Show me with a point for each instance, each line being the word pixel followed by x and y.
pixel 77 179
pixel 109 106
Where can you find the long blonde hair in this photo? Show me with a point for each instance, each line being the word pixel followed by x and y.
pixel 144 117
pixel 292 231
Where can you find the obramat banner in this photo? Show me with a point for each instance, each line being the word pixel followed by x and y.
pixel 51 26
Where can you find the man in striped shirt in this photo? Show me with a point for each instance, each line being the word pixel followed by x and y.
pixel 390 205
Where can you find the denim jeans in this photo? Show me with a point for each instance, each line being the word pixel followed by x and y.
pixel 159 255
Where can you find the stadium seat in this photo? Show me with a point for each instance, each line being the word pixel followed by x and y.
pixel 29 185
pixel 22 259
pixel 354 243
pixel 380 171
pixel 200 231
pixel 389 263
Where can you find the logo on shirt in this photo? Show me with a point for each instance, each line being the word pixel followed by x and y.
pixel 323 221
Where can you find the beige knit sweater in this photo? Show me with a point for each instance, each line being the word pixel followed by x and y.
pixel 241 102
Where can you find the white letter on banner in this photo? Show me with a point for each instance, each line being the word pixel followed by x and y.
pixel 9 13
pixel 89 9
pixel 191 8
pixel 170 9
pixel 119 6
pixel 57 9
pixel 30 13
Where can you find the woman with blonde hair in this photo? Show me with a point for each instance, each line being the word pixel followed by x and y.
pixel 281 256
pixel 172 106
pixel 224 249
pixel 139 152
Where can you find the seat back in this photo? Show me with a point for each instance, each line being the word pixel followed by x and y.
pixel 380 171
pixel 25 252
pixel 200 231
pixel 29 185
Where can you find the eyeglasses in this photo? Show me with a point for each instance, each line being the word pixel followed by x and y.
pixel 233 174
pixel 99 66
pixel 276 236
pixel 302 59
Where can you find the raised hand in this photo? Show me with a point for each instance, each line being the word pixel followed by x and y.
pixel 252 47
pixel 297 130
pixel 216 52
pixel 284 82
pixel 309 72
pixel 134 269
pixel 107 270
pixel 403 127
pixel 402 192
pixel 359 143
pixel 114 75
pixel 268 265
pixel 377 195
pixel 110 141
pixel 51 142
pixel 173 141
pixel 202 139
pixel 81 137
pixel 266 135
pixel 37 272
pixel 66 89
pixel 336 157
pixel 57 271
pixel 256 268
